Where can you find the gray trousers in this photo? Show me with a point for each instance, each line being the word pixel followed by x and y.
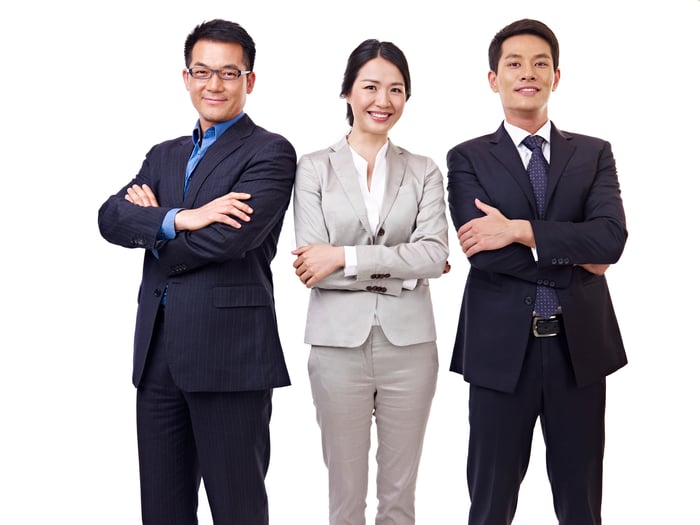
pixel 351 385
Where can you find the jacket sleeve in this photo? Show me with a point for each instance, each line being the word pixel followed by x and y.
pixel 424 253
pixel 125 224
pixel 463 187
pixel 598 234
pixel 268 177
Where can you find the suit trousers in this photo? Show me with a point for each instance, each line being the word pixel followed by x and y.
pixel 184 437
pixel 394 384
pixel 501 431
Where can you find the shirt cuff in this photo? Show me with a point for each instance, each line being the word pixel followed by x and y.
pixel 167 228
pixel 350 261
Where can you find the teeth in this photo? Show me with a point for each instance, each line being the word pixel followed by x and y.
pixel 379 115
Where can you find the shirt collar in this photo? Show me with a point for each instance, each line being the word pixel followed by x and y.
pixel 517 134
pixel 215 131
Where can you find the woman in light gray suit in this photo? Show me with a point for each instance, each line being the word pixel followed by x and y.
pixel 371 230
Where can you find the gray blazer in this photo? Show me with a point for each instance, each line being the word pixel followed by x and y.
pixel 410 243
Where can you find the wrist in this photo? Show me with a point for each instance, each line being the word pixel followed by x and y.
pixel 523 233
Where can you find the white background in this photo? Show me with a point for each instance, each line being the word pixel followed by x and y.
pixel 88 88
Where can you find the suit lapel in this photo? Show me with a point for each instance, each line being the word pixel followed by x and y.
pixel 344 168
pixel 561 150
pixel 395 170
pixel 232 139
pixel 507 154
pixel 172 181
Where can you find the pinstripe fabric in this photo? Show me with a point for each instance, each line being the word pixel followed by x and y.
pixel 205 366
pixel 220 320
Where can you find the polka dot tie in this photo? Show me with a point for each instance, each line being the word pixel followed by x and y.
pixel 546 300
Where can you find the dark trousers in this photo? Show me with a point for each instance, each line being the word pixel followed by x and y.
pixel 500 439
pixel 184 437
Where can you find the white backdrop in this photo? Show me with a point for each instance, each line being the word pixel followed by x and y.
pixel 88 88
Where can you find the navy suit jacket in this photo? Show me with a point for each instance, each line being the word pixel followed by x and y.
pixel 584 223
pixel 220 319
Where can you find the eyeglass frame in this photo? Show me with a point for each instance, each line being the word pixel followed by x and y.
pixel 211 70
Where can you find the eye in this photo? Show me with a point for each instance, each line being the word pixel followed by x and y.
pixel 230 73
pixel 200 72
pixel 397 90
pixel 513 64
pixel 541 64
pixel 370 87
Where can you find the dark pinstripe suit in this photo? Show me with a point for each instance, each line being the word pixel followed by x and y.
pixel 217 341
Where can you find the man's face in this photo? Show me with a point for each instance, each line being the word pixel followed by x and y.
pixel 525 76
pixel 218 100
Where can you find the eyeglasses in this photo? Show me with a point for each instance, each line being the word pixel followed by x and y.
pixel 205 73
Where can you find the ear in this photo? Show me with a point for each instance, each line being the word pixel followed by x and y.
pixel 186 79
pixel 557 75
pixel 493 81
pixel 250 82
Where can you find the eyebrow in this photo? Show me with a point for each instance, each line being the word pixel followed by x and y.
pixel 516 55
pixel 377 82
pixel 227 66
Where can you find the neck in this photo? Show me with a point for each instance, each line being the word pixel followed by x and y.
pixel 366 144
pixel 527 121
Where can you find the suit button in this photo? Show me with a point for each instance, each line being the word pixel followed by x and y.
pixel 382 289
pixel 374 276
pixel 552 284
pixel 561 261
pixel 370 288
pixel 545 282
pixel 528 301
pixel 380 232
pixel 566 260
pixel 540 282
pixel 554 261
pixel 387 275
pixel 157 292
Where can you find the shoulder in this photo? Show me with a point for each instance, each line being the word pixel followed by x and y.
pixel 578 139
pixel 324 154
pixel 179 142
pixel 410 158
pixel 477 143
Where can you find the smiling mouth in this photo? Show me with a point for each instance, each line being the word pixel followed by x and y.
pixel 379 116
pixel 528 90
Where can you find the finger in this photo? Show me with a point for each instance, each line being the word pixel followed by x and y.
pixel 464 228
pixel 241 214
pixel 148 192
pixel 483 207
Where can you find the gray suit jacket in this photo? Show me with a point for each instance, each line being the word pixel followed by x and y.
pixel 410 243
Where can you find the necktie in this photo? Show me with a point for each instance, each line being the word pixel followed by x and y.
pixel 546 301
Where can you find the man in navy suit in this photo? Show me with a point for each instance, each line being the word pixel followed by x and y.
pixel 207 209
pixel 523 359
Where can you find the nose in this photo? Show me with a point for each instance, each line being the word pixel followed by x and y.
pixel 214 83
pixel 528 73
pixel 382 98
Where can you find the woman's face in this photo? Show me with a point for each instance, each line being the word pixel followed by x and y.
pixel 377 97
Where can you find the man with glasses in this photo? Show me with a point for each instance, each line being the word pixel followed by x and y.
pixel 207 352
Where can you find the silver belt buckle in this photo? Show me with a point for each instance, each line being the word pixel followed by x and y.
pixel 535 319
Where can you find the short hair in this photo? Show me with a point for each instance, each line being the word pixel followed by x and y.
pixel 525 26
pixel 218 30
pixel 366 51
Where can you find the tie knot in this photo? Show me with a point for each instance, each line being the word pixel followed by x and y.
pixel 533 141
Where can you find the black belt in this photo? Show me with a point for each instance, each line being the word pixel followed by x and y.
pixel 547 326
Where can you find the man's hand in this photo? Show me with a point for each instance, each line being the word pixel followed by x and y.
pixel 222 209
pixel 493 231
pixel 141 196
pixel 315 262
